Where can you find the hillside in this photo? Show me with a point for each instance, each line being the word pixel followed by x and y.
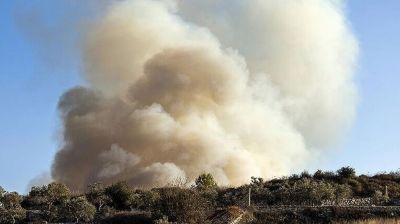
pixel 322 197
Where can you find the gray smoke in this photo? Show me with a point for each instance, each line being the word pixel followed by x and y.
pixel 234 88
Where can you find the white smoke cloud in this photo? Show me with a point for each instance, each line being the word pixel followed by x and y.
pixel 116 161
pixel 234 88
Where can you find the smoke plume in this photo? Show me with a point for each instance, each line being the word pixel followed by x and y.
pixel 233 88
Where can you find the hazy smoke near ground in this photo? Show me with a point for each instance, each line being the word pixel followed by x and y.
pixel 234 88
pixel 39 180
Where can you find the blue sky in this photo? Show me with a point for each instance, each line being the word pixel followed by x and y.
pixel 373 144
pixel 36 68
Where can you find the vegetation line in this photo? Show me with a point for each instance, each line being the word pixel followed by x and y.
pixel 322 197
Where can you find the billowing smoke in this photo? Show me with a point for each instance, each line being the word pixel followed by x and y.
pixel 234 88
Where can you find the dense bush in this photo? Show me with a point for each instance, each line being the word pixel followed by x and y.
pixel 206 181
pixel 346 172
pixel 122 195
pixel 182 206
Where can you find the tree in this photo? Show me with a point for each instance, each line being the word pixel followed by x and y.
pixel 205 181
pixel 257 182
pixel 78 209
pixel 122 195
pixel 48 199
pixel 57 193
pixel 305 174
pixel 346 172
pixel 96 194
pixel 145 199
pixel 182 206
pixel 319 175
pixel 10 208
pixel 36 198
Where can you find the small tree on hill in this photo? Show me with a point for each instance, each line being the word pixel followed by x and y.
pixel 319 175
pixel 78 209
pixel 346 172
pixel 206 181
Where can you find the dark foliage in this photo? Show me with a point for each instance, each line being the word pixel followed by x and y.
pixel 182 206
pixel 346 172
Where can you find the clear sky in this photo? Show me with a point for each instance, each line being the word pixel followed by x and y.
pixel 36 68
